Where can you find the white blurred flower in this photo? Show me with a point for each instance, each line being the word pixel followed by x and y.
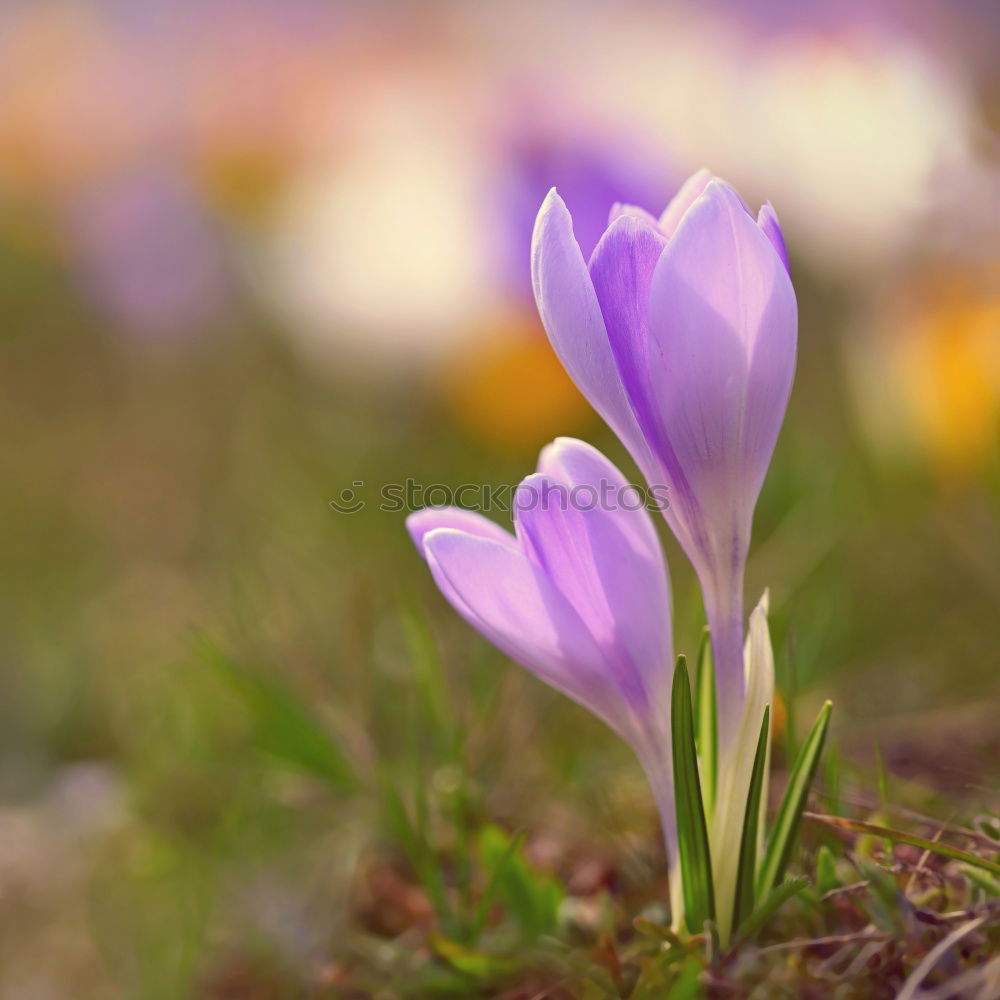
pixel 380 257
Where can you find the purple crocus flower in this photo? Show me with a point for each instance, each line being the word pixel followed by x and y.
pixel 579 595
pixel 681 331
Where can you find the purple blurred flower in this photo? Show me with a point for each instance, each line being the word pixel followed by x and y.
pixel 148 255
pixel 590 167
pixel 681 331
pixel 579 595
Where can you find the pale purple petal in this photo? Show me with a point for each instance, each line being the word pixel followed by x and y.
pixel 767 219
pixel 553 535
pixel 572 318
pixel 420 522
pixel 609 566
pixel 621 269
pixel 643 603
pixel 722 325
pixel 577 463
pixel 619 209
pixel 510 601
pixel 690 191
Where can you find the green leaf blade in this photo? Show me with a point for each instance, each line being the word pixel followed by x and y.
pixel 769 906
pixel 285 729
pixel 743 902
pixel 692 829
pixel 901 837
pixel 786 824
pixel 706 721
pixel 490 893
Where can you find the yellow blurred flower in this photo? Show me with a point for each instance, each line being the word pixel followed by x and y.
pixel 929 373
pixel 948 358
pixel 509 389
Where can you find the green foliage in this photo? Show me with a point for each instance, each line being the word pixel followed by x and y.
pixel 436 710
pixel 826 871
pixel 489 902
pixel 706 721
pixel 769 905
pixel 988 826
pixel 692 830
pixel 989 885
pixel 283 727
pixel 743 902
pixel 413 837
pixel 530 898
pixel 901 837
pixel 782 836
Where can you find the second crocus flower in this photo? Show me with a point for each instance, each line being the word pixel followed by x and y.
pixel 681 331
pixel 579 595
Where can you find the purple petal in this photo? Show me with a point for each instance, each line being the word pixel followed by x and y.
pixel 420 522
pixel 722 324
pixel 621 269
pixel 618 209
pixel 510 601
pixel 722 328
pixel 577 463
pixel 607 562
pixel 572 318
pixel 767 219
pixel 690 191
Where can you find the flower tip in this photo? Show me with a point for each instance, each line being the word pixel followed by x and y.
pixel 688 193
pixel 763 607
pixel 765 601
pixel 724 191
pixel 559 457
pixel 549 455
pixel 419 524
pixel 552 233
pixel 767 219
pixel 552 200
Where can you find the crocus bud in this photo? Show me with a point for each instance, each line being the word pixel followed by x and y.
pixel 681 331
pixel 579 595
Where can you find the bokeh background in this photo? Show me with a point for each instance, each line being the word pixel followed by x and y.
pixel 256 252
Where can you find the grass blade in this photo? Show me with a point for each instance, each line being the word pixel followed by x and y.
pixel 692 830
pixel 882 776
pixel 900 837
pixel 989 885
pixel 284 728
pixel 786 824
pixel 412 840
pixel 744 899
pixel 769 906
pixel 705 721
pixel 826 871
pixel 490 892
pixel 429 672
pixel 530 897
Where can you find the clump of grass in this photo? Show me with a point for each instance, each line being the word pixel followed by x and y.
pixel 922 920
pixel 874 901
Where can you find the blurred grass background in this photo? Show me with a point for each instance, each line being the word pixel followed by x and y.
pixel 252 253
